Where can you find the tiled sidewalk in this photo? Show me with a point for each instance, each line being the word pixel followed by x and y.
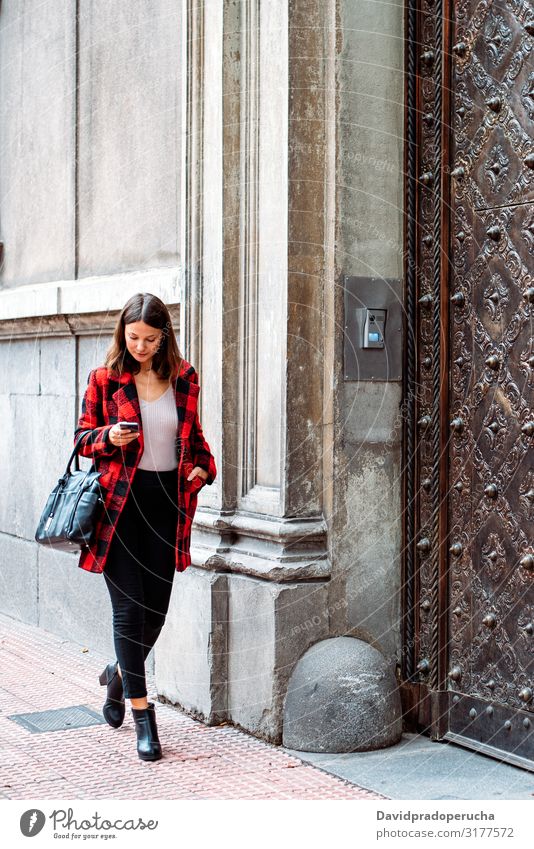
pixel 40 671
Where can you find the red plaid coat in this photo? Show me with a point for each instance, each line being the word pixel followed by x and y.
pixel 108 400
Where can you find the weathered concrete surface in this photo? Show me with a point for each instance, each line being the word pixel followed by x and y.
pixel 75 603
pixel 372 545
pixel 91 353
pixel 74 300
pixel 342 697
pixel 270 626
pixel 19 578
pixel 129 135
pixel 191 651
pixel 14 378
pixel 364 508
pixel 370 127
pixel 28 471
pixel 72 602
pixel 37 139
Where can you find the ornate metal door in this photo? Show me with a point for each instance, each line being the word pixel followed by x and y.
pixel 469 495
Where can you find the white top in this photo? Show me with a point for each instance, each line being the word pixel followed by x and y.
pixel 160 424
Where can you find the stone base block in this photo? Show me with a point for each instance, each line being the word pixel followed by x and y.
pixel 191 651
pixel 271 625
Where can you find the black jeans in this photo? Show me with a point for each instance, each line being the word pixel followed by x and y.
pixel 139 571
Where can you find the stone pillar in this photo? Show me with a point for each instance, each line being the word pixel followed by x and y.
pixel 256 265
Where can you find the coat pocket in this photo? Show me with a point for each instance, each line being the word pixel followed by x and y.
pixel 194 485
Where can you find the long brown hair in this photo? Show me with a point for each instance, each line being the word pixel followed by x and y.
pixel 167 361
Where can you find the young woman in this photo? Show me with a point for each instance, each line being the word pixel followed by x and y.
pixel 143 433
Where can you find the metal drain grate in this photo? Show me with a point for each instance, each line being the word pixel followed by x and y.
pixel 61 719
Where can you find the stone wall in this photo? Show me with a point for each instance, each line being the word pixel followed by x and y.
pixel 292 178
pixel 90 212
pixel 90 133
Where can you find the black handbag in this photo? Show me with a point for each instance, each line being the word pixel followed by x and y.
pixel 68 520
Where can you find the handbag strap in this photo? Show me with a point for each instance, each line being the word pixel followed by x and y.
pixel 74 454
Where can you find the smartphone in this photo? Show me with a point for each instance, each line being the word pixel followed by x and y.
pixel 132 426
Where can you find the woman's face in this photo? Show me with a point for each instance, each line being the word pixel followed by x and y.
pixel 142 340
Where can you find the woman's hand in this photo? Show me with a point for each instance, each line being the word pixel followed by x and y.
pixel 118 436
pixel 202 473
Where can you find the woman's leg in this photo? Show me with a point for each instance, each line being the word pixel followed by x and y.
pixel 157 552
pixel 139 573
pixel 122 574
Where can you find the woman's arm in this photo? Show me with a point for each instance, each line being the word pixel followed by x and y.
pixel 96 442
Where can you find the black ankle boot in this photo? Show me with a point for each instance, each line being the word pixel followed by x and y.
pixel 114 707
pixel 148 745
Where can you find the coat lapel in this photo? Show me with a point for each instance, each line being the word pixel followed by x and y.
pixel 127 401
pixel 129 408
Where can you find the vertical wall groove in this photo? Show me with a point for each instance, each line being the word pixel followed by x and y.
pixel 249 239
pixel 190 304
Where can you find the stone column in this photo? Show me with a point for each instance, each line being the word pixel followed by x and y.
pixel 255 597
